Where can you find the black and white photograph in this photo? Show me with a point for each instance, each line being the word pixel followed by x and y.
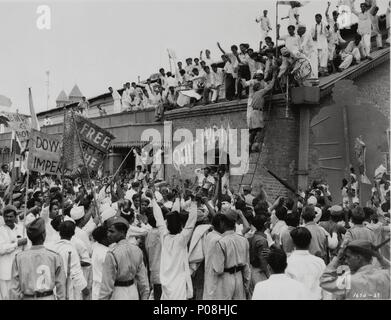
pixel 194 150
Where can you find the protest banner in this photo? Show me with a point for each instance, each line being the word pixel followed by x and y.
pixel 95 143
pixel 44 153
pixel 18 123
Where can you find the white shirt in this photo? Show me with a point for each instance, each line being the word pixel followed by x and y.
pixel 307 45
pixel 291 43
pixel 130 193
pixel 280 287
pixel 98 258
pixel 218 77
pixel 83 236
pixel 63 247
pixel 306 268
pixel 8 249
pixel 265 23
pixel 321 34
pixel 364 22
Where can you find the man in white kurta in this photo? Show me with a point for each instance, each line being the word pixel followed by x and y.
pixel 175 275
pixel 308 49
pixel 11 242
pixel 291 39
pixel 319 35
pixel 98 258
pixel 279 286
pixel 365 25
pixel 64 248
pixel 265 25
pixel 117 106
pixel 303 266
pixel 211 277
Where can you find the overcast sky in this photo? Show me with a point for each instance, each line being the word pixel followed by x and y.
pixel 97 44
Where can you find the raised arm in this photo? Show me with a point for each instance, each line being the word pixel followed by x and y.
pixel 246 225
pixel 354 10
pixel 327 10
pixel 191 221
pixel 221 49
pixel 157 213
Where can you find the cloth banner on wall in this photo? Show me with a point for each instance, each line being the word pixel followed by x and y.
pixel 360 151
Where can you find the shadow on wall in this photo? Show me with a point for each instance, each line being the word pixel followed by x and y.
pixel 328 149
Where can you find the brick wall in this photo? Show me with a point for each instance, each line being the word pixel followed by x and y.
pixel 279 152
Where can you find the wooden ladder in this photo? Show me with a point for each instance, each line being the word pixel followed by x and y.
pixel 254 158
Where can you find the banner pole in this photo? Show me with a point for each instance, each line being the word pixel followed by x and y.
pixel 25 200
pixel 122 163
pixel 13 173
pixel 276 29
pixel 63 162
pixel 85 165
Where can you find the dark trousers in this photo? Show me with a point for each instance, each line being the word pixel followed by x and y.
pixel 243 73
pixel 253 134
pixel 157 291
pixel 229 86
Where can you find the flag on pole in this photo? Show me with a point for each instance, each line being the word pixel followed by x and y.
pixel 298 3
pixel 34 119
pixel 16 145
pixel 171 54
pixel 5 101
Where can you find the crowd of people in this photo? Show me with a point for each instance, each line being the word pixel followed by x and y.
pixel 206 80
pixel 137 237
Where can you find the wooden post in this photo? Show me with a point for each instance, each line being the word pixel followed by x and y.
pixel 304 139
pixel 347 145
pixel 25 201
pixel 63 161
pixel 276 29
pixel 13 173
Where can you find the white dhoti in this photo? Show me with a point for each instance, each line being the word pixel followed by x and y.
pixel 379 41
pixel 366 42
pixel 323 54
pixel 264 34
pixel 215 94
pixel 331 52
pixel 125 293
pixel 5 286
pixel 313 58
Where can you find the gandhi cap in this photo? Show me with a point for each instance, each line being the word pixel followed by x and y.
pixel 335 210
pixel 9 208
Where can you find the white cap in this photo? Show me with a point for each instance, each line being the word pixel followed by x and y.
pixel 77 212
pixel 67 218
pixel 259 71
pixel 318 214
pixel 312 201
pixel 108 213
